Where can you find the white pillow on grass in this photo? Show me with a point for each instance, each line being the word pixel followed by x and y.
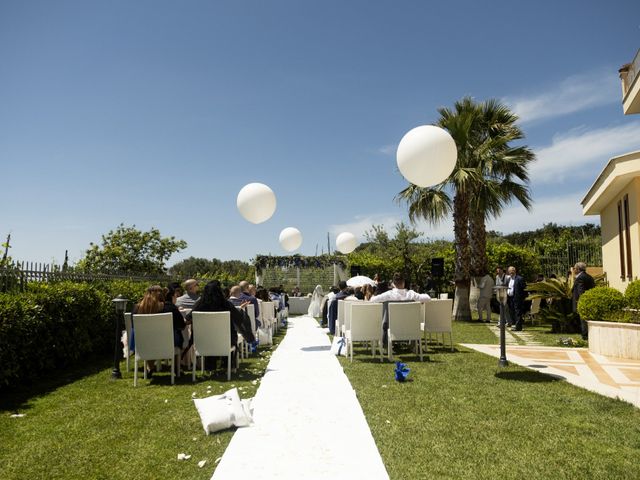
pixel 220 412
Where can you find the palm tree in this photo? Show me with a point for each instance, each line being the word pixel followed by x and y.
pixel 502 176
pixel 482 184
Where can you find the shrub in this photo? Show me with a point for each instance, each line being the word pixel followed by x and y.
pixel 54 325
pixel 632 294
pixel 599 302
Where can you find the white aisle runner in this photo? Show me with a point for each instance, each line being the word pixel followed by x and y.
pixel 308 421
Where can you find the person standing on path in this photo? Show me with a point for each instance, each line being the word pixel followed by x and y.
pixel 485 285
pixel 581 284
pixel 502 280
pixel 515 297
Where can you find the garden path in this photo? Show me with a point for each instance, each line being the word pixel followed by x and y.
pixel 613 377
pixel 308 421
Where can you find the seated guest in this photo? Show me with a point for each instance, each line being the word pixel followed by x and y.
pixel 246 295
pixel 367 292
pixel 189 299
pixel 359 293
pixel 296 292
pixel 397 294
pixel 152 302
pixel 213 300
pixel 234 295
pixel 326 303
pixel 333 308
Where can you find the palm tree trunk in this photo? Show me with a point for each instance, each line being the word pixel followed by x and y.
pixel 461 306
pixel 478 242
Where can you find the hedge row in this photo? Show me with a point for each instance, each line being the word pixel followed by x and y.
pixel 55 325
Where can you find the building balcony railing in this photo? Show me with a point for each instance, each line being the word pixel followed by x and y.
pixel 629 74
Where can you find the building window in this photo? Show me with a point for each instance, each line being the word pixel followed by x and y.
pixel 627 232
pixel 621 241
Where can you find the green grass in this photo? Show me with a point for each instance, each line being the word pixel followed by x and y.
pixel 83 425
pixel 462 417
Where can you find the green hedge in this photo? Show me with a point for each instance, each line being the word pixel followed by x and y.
pixel 632 294
pixel 54 325
pixel 599 303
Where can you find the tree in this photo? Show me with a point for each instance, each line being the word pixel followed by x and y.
pixel 482 183
pixel 128 250
pixel 228 272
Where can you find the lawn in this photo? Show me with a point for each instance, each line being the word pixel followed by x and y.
pixel 83 425
pixel 462 417
pixel 459 416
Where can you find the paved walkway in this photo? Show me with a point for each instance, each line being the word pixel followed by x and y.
pixel 308 421
pixel 613 377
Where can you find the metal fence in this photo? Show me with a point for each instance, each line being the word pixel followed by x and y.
pixel 22 273
pixel 586 251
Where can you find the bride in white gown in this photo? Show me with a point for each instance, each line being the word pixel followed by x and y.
pixel 316 301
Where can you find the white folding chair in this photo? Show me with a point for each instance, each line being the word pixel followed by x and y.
pixel 251 311
pixel 346 325
pixel 437 319
pixel 268 314
pixel 339 318
pixel 127 345
pixel 534 310
pixel 365 320
pixel 154 341
pixel 211 333
pixel 404 324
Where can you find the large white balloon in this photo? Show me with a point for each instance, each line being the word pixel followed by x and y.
pixel 426 155
pixel 346 242
pixel 290 239
pixel 256 202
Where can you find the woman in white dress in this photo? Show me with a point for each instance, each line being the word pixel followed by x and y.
pixel 316 300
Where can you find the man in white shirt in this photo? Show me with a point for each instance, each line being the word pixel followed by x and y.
pixel 397 294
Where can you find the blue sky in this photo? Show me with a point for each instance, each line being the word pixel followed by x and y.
pixel 156 113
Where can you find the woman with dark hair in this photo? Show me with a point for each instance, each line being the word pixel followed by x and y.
pixel 171 294
pixel 262 294
pixel 213 300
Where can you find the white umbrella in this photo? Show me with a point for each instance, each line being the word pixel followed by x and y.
pixel 360 281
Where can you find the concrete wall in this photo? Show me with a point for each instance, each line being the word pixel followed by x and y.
pixel 610 241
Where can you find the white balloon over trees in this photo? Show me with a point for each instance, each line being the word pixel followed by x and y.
pixel 426 155
pixel 290 239
pixel 346 242
pixel 256 202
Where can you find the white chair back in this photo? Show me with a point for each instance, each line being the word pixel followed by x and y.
pixel 154 340
pixel 347 313
pixel 366 321
pixel 267 311
pixel 404 321
pixel 251 311
pixel 437 316
pixel 340 317
pixel 211 333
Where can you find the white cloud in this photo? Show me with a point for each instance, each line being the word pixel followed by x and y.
pixel 363 223
pixel 388 149
pixel 561 209
pixel 583 153
pixel 576 93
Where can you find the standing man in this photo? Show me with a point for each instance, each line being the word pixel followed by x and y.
pixel 581 284
pixel 515 297
pixel 485 285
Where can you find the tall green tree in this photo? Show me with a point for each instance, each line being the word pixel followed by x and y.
pixel 129 250
pixel 486 178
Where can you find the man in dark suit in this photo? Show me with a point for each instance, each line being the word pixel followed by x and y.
pixel 581 283
pixel 515 298
pixel 333 308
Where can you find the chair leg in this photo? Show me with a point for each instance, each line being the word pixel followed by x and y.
pixel 144 368
pixel 135 372
pixel 193 365
pixel 420 347
pixel 173 370
pixel 229 367
pixel 389 348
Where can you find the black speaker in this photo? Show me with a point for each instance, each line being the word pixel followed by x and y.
pixel 437 267
pixel 356 270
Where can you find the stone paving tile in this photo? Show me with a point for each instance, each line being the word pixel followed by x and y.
pixel 613 377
